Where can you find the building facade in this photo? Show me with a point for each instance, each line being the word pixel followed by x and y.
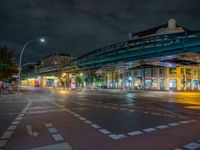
pixel 56 60
pixel 180 78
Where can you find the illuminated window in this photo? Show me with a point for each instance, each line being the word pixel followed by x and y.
pixel 172 70
pixel 172 84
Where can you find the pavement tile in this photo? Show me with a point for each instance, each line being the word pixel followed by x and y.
pixel 192 146
pixel 52 130
pixel 135 133
pixel 57 137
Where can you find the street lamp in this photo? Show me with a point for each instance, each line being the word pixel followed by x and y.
pixel 30 63
pixel 42 40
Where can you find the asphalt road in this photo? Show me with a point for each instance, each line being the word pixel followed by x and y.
pixel 106 116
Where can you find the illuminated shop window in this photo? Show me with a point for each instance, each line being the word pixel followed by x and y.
pixel 172 84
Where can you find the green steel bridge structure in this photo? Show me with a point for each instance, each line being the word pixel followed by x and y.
pixel 144 48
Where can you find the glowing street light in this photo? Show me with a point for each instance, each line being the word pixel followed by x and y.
pixel 42 40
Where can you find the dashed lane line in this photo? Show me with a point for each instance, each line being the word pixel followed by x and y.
pixel 132 133
pixel 190 146
pixel 10 130
pixel 54 132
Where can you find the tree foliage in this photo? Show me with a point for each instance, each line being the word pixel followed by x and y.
pixel 7 66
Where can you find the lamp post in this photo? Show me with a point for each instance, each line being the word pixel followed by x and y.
pixel 26 64
pixel 42 40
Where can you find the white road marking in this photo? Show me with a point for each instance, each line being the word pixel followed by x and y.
pixel 149 129
pixel 12 127
pixel 57 137
pixel 131 110
pixel 52 130
pixel 59 106
pixel 192 146
pixel 7 135
pixel 184 122
pixel 95 126
pixel 19 118
pixel 31 132
pixel 26 108
pixel 104 131
pixel 15 122
pixel 156 114
pixel 87 121
pixel 162 127
pixel 135 133
pixel 82 118
pixel 49 125
pixel 173 124
pixel 3 143
pixel 116 137
pixel 60 146
pixel 20 115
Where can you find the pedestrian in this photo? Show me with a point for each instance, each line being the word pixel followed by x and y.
pixel 1 87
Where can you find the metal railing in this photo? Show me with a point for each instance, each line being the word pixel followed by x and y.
pixel 129 50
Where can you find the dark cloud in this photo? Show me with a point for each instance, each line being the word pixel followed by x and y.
pixel 79 26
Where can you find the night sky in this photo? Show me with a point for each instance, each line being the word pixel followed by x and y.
pixel 80 26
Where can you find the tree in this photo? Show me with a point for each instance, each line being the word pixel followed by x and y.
pixel 78 80
pixel 7 66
